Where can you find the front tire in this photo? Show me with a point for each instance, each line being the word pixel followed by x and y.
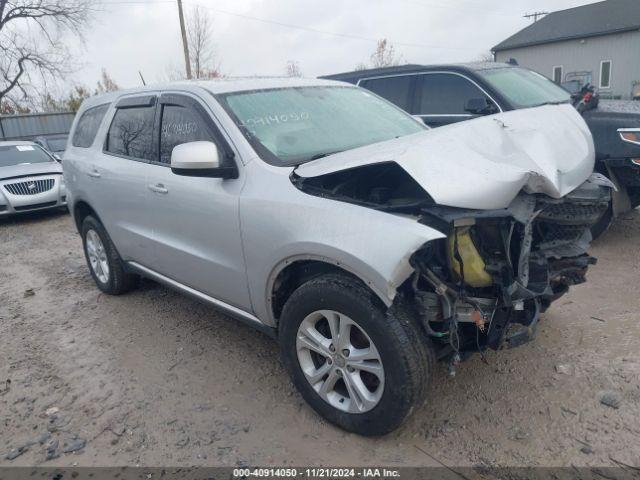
pixel 603 224
pixel 358 366
pixel 103 260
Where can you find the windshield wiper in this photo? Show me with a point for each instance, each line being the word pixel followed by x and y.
pixel 556 102
pixel 322 155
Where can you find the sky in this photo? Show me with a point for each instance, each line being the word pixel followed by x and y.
pixel 258 37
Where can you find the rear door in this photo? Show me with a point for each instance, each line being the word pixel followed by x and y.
pixel 195 219
pixel 440 98
pixel 119 176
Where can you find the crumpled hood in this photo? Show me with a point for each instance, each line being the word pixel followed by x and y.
pixel 24 169
pixel 485 162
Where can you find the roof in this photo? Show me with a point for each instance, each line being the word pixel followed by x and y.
pixel 373 71
pixel 595 19
pixel 215 86
pixel 356 75
pixel 13 143
pixel 54 136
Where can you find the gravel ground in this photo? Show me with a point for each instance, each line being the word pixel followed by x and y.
pixel 154 378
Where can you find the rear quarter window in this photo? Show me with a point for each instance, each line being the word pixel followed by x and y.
pixel 88 125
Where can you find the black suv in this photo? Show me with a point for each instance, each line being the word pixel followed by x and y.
pixel 444 94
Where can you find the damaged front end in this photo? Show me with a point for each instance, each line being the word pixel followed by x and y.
pixel 487 283
pixel 515 197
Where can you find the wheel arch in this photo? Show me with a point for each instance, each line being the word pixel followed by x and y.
pixel 293 272
pixel 81 210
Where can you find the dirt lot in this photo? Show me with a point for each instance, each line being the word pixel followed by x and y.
pixel 154 378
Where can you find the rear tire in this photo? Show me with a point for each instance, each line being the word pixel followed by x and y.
pixel 400 360
pixel 105 265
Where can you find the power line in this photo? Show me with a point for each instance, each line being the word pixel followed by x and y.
pixel 291 25
pixel 325 32
pixel 535 15
pixel 473 6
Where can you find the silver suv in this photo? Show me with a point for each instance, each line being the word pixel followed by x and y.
pixel 326 217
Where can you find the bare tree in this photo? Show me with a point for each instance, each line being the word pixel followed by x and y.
pixel 31 46
pixel 385 55
pixel 293 69
pixel 130 132
pixel 106 83
pixel 486 57
pixel 71 101
pixel 202 54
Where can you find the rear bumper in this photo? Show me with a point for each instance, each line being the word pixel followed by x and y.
pixel 12 203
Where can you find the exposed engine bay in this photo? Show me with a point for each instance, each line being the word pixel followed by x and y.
pixel 487 283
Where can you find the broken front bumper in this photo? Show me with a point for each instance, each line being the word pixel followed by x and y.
pixel 498 270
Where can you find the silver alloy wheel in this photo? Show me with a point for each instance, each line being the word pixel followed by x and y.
pixel 97 256
pixel 340 361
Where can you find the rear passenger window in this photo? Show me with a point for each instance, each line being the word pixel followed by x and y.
pixel 180 125
pixel 88 125
pixel 131 133
pixel 394 89
pixel 445 94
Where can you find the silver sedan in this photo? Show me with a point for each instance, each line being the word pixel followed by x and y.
pixel 30 179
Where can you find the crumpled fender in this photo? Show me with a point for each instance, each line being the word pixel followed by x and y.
pixel 373 245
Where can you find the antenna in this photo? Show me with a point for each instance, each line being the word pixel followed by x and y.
pixel 142 78
pixel 535 15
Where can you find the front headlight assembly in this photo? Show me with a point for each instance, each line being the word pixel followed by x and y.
pixel 630 135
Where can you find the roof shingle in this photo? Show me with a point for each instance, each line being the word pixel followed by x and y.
pixel 591 20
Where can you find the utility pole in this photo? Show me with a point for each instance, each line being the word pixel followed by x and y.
pixel 535 15
pixel 185 45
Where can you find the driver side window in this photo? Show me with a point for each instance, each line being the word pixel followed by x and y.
pixel 446 94
pixel 180 125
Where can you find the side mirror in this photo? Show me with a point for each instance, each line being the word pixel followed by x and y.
pixel 199 159
pixel 480 106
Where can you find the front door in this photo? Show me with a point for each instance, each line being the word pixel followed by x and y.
pixel 441 97
pixel 196 227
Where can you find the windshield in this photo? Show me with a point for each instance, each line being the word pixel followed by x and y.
pixel 289 126
pixel 524 88
pixel 572 86
pixel 18 154
pixel 57 144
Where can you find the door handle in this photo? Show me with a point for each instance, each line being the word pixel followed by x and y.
pixel 94 173
pixel 158 188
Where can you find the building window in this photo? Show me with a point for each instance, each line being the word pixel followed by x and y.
pixel 557 74
pixel 605 74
